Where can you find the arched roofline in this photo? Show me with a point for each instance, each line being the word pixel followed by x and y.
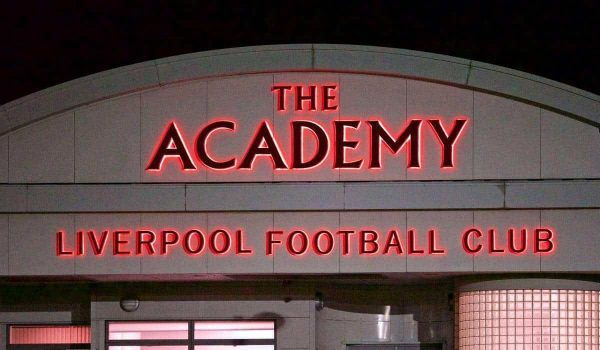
pixel 564 99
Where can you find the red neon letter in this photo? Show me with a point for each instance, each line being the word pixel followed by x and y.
pixel 341 144
pixel 412 134
pixel 98 246
pixel 317 239
pixel 492 243
pixel 212 244
pixel 187 242
pixel 148 243
pixel 118 242
pixel 311 97
pixel 433 247
pixel 326 89
pixel 393 240
pixel 239 246
pixel 280 92
pixel 345 241
pixel 298 144
pixel 465 241
pixel 171 146
pixel 365 242
pixel 512 244
pixel 303 243
pixel 264 135
pixel 447 141
pixel 79 246
pixel 413 244
pixel 165 242
pixel 543 245
pixel 270 241
pixel 60 245
pixel 202 141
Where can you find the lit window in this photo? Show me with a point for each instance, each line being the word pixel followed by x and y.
pixel 192 335
pixel 74 337
pixel 528 319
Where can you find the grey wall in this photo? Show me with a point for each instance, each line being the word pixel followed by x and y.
pixel 111 141
pixel 30 248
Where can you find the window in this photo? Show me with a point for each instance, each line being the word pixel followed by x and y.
pixel 192 335
pixel 528 319
pixel 22 337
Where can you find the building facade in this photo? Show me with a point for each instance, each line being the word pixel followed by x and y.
pixel 301 197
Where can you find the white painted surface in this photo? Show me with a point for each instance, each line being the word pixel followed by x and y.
pixel 4 159
pixel 434 101
pixel 248 101
pixel 106 264
pixel 501 221
pixel 177 261
pixel 310 223
pixel 43 152
pixel 184 104
pixel 448 226
pixel 4 245
pixel 32 242
pixel 382 223
pixel 569 148
pixel 107 141
pixel 32 249
pixel 578 243
pixel 364 97
pixel 282 124
pixel 507 139
pixel 253 227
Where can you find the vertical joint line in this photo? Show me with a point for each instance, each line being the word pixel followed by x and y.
pixel 540 128
pixel 205 119
pixel 473 138
pixel 312 56
pixel 140 138
pixel 74 143
pixel 405 117
pixel 469 72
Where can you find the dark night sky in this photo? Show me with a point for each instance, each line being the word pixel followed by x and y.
pixel 49 42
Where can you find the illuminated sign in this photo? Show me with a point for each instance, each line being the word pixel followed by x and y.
pixel 296 242
pixel 327 136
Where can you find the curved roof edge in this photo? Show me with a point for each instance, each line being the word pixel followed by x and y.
pixel 575 103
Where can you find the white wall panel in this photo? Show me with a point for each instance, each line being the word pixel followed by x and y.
pixel 570 149
pixel 282 124
pixel 177 261
pixel 501 222
pixel 382 223
pixel 449 226
pixel 105 264
pixel 507 138
pixel 43 152
pixel 4 249
pixel 310 223
pixel 3 159
pixel 253 226
pixel 32 245
pixel 107 141
pixel 364 97
pixel 577 233
pixel 184 104
pixel 446 103
pixel 248 101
